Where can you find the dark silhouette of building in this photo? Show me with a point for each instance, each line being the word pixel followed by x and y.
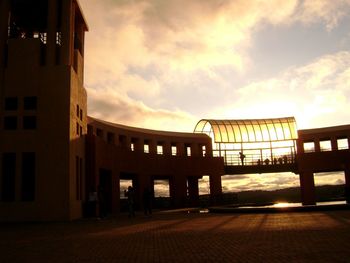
pixel 52 154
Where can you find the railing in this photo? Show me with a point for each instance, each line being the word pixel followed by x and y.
pixel 233 157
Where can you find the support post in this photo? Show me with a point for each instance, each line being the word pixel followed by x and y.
pixel 178 190
pixel 347 184
pixel 215 188
pixel 193 190
pixel 307 188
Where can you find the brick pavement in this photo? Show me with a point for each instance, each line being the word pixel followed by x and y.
pixel 182 237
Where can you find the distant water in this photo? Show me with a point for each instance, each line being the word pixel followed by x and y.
pixel 296 204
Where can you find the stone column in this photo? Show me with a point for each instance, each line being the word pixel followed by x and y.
pixel 215 188
pixel 193 190
pixel 178 190
pixel 307 188
pixel 347 183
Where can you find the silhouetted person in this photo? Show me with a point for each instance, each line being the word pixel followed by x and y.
pixel 267 161
pixel 285 159
pixel 147 201
pixel 130 194
pixel 102 202
pixel 241 156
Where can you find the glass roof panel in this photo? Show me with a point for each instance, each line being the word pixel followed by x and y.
pixel 230 133
pixel 258 133
pixel 251 133
pixel 224 133
pixel 279 131
pixel 258 130
pixel 244 132
pixel 238 137
pixel 286 130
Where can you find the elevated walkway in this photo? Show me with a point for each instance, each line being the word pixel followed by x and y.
pixel 253 146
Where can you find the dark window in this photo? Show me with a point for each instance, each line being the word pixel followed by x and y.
pixel 28 177
pixel 81 114
pixel 80 130
pixel 10 122
pixel 29 122
pixel 78 110
pixel 30 103
pixel 11 103
pixel 8 176
pixel 99 133
pixel 77 128
pixel 110 137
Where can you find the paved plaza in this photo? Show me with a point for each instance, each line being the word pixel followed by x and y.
pixel 183 237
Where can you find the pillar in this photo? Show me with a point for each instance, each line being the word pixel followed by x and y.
pixel 347 184
pixel 193 190
pixel 178 190
pixel 144 181
pixel 307 188
pixel 215 188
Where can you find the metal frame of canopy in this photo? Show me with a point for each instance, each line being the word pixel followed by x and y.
pixel 252 142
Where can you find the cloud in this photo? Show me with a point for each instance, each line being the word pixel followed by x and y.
pixel 330 12
pixel 109 105
pixel 163 55
pixel 312 93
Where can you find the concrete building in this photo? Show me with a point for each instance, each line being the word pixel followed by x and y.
pixel 52 154
pixel 43 110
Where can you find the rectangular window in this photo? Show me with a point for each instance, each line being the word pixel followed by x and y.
pixel 160 149
pixel 81 114
pixel 11 103
pixel 30 103
pixel 78 110
pixel 188 150
pixel 343 143
pixel 134 142
pixel 77 128
pixel 29 122
pixel 325 145
pixel 146 148
pixel 204 151
pixel 110 137
pixel 28 177
pixel 8 176
pixel 80 130
pixel 10 122
pixel 309 147
pixel 99 133
pixel 173 150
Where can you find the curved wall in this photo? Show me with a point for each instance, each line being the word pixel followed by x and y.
pixel 117 152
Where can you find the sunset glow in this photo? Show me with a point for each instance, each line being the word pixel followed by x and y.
pixel 167 64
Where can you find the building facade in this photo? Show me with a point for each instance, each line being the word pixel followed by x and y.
pixel 43 110
pixel 52 154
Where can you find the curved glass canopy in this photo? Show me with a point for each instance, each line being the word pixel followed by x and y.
pixel 258 141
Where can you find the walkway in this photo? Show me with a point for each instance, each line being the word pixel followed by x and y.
pixel 182 237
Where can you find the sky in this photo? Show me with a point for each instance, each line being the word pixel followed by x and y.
pixel 166 64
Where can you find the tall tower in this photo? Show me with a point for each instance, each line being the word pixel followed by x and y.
pixel 42 110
